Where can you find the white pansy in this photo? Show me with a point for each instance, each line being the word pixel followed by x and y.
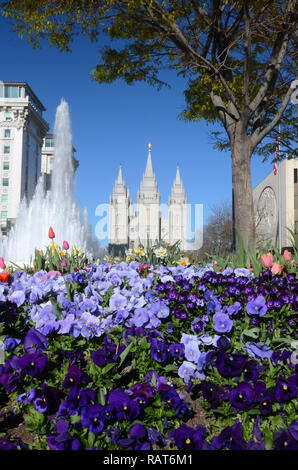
pixel 160 252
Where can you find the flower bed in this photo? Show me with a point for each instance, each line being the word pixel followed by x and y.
pixel 131 356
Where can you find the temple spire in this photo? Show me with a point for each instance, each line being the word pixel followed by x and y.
pixel 178 179
pixel 120 179
pixel 177 192
pixel 120 187
pixel 149 169
pixel 148 186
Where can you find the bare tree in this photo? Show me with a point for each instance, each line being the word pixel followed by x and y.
pixel 218 232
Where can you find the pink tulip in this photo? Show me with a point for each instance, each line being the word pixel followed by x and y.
pixel 63 263
pixel 287 255
pixel 2 264
pixel 276 268
pixel 267 260
pixel 53 274
pixel 65 245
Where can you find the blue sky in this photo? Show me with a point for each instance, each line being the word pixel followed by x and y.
pixel 112 124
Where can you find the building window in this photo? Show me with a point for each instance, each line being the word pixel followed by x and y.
pixel 3 215
pixel 6 149
pixel 7 133
pixel 5 182
pixel 5 165
pixel 49 142
pixel 7 115
pixel 10 91
pixel 4 198
pixel 295 175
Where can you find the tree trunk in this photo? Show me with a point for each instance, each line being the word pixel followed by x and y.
pixel 242 189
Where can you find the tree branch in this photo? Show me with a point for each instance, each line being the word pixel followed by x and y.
pixel 227 118
pixel 278 53
pixel 257 137
pixel 247 49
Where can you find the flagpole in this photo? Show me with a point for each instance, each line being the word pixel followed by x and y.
pixel 279 195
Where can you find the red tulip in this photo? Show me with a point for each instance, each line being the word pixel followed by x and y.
pixel 51 233
pixel 4 276
pixel 2 264
pixel 144 266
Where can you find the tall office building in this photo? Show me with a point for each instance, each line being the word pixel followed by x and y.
pixel 48 159
pixel 22 131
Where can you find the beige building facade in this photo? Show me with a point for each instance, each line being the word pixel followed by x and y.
pixel 276 206
pixel 22 131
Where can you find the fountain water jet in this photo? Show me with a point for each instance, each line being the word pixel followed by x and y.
pixel 55 208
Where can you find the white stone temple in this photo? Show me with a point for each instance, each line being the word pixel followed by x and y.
pixel 276 206
pixel 144 225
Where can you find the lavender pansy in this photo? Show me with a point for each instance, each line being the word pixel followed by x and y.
pixel 222 323
pixel 257 306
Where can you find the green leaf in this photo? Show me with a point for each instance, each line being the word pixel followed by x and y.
pixel 282 341
pixel 75 419
pixel 2 359
pixel 252 333
pixel 170 367
pixel 154 381
pixel 101 396
pixel 57 309
pixel 253 412
pixel 124 353
pixel 268 440
pixel 108 367
pixel 91 438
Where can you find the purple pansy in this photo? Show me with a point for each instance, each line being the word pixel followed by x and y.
pixel 125 407
pixel 35 341
pixel 61 439
pixel 91 418
pixel 159 350
pixel 242 396
pixel 74 377
pixel 187 438
pixel 33 363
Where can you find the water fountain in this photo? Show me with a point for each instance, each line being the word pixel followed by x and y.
pixel 55 208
